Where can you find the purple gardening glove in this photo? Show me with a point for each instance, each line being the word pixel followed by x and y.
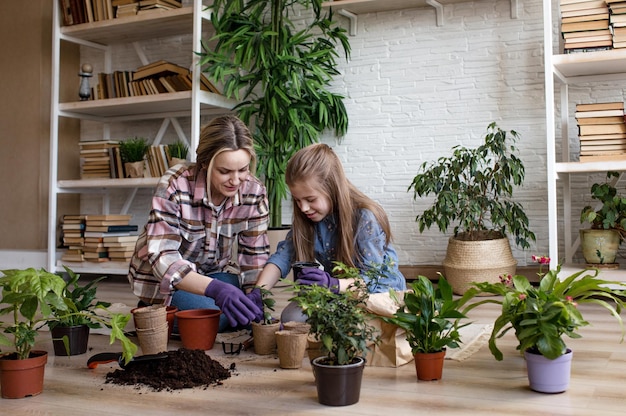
pixel 255 297
pixel 234 304
pixel 315 276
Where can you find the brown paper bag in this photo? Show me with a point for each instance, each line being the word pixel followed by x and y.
pixel 392 349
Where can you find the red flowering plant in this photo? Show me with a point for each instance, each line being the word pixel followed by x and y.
pixel 540 315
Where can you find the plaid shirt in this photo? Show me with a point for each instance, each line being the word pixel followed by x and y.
pixel 186 232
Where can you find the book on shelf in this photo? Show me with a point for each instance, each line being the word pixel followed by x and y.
pixel 119 239
pixel 111 228
pixel 602 158
pixel 617 18
pixel 614 105
pixel 101 223
pixel 596 129
pixel 600 120
pixel 603 136
pixel 594 149
pixel 606 38
pixel 583 5
pixel 72 255
pixel 159 68
pixel 599 113
pixel 585 18
pixel 95 248
pixel 585 33
pixel 590 25
pixel 108 234
pixel 595 44
pixel 585 49
pixel 107 217
pixel 73 226
pixel 89 255
pixel 585 12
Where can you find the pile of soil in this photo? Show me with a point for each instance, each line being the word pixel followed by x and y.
pixel 181 369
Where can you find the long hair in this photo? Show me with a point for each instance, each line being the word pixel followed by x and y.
pixel 319 166
pixel 222 134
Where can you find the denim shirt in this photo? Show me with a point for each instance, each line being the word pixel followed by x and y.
pixel 370 246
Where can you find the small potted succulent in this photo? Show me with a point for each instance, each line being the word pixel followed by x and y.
pixel 542 315
pixel 431 319
pixel 601 241
pixel 133 151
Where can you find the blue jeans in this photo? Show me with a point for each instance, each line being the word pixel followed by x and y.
pixel 185 300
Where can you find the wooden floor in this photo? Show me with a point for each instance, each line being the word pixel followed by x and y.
pixel 479 385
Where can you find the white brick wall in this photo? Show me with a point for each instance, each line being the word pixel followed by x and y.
pixel 413 91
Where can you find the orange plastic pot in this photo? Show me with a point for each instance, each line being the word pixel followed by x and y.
pixel 22 378
pixel 198 327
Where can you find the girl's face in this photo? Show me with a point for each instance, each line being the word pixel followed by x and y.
pixel 230 169
pixel 313 203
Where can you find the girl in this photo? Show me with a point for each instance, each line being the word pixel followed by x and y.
pixel 199 213
pixel 332 221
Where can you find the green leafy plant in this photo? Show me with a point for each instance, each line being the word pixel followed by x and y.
pixel 475 187
pixel 541 315
pixel 268 305
pixel 430 316
pixel 281 73
pixel 178 149
pixel 32 298
pixel 134 149
pixel 338 319
pixel 612 214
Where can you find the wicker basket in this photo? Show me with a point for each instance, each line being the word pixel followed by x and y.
pixel 469 262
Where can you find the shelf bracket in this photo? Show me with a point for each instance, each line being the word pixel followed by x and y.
pixel 514 9
pixel 353 20
pixel 438 10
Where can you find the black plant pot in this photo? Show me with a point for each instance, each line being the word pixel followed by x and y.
pixel 77 336
pixel 338 385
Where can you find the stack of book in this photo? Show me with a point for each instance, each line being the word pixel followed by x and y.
pixel 120 248
pixel 73 227
pixel 602 131
pixel 100 230
pixel 126 7
pixel 98 159
pixel 617 22
pixel 157 5
pixel 585 25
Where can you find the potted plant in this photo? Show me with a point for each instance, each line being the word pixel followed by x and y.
pixel 340 322
pixel 70 324
pixel 29 297
pixel 600 243
pixel 177 152
pixel 280 71
pixel 474 188
pixel 541 315
pixel 133 152
pixel 430 318
pixel 264 332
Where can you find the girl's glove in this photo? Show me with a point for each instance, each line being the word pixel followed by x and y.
pixel 314 276
pixel 255 297
pixel 234 304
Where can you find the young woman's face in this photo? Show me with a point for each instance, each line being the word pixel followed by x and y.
pixel 230 169
pixel 315 205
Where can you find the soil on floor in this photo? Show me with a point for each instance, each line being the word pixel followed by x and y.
pixel 181 369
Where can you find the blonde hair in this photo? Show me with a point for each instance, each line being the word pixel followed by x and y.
pixel 223 134
pixel 321 168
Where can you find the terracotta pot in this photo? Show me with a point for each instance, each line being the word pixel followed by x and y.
pixel 291 347
pixel 170 311
pixel 198 327
pixel 338 385
pixel 22 378
pixel 77 337
pixel 265 337
pixel 549 376
pixel 429 366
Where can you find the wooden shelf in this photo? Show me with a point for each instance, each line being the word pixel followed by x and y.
pixel 584 167
pixel 151 25
pixel 373 6
pixel 598 65
pixel 104 268
pixel 105 183
pixel 146 106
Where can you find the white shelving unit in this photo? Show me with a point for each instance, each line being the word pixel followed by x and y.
pixel 570 69
pixel 104 35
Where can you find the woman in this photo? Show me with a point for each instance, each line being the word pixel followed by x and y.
pixel 208 222
pixel 332 221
